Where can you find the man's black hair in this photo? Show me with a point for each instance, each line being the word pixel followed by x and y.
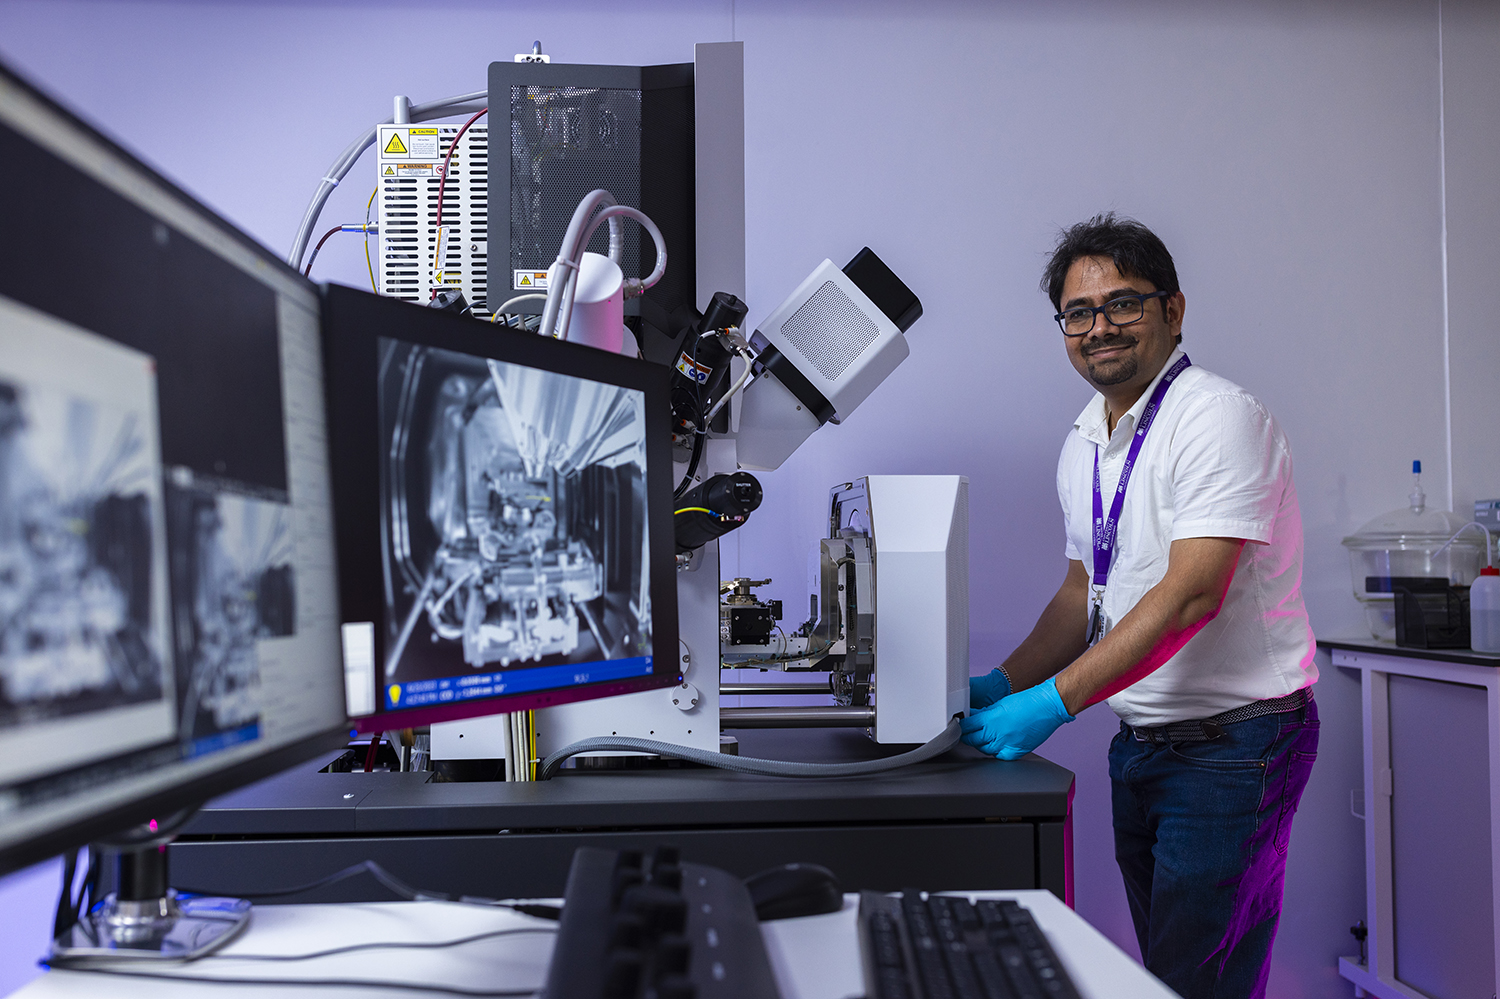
pixel 1135 250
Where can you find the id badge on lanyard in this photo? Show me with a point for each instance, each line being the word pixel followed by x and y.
pixel 1107 529
pixel 1098 623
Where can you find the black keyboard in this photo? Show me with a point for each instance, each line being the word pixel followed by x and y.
pixel 921 946
pixel 647 926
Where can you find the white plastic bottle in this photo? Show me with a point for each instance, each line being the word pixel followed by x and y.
pixel 1484 611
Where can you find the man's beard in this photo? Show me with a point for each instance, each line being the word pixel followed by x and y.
pixel 1119 369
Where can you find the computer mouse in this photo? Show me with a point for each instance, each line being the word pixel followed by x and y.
pixel 794 890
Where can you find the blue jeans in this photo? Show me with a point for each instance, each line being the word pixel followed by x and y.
pixel 1201 832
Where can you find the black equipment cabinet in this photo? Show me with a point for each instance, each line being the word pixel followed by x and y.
pixel 963 820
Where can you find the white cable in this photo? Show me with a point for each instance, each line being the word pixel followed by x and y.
pixel 739 383
pixel 529 296
pixel 461 104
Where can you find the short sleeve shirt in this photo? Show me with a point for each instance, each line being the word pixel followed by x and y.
pixel 1214 464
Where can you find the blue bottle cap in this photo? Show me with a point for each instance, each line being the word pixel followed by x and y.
pixel 1416 468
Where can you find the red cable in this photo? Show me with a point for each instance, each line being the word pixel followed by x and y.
pixel 443 184
pixel 308 269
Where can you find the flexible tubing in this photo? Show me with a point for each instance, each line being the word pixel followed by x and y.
pixel 945 741
pixel 346 160
pixel 614 213
pixel 564 270
pixel 616 240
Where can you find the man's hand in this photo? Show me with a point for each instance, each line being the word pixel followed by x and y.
pixel 986 690
pixel 1017 724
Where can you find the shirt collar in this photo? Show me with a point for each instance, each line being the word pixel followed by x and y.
pixel 1093 423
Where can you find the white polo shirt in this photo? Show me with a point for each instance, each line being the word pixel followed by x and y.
pixel 1214 465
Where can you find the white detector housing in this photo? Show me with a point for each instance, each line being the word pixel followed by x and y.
pixel 824 350
pixel 599 305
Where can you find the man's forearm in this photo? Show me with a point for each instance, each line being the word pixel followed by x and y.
pixel 1058 638
pixel 1143 640
pixel 1161 623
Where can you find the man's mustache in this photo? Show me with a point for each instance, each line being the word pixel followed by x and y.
pixel 1110 343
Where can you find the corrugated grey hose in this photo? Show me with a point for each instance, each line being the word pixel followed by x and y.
pixel 945 741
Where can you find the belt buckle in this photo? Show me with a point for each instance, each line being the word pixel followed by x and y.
pixel 1211 729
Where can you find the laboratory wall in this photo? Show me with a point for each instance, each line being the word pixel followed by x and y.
pixel 1291 154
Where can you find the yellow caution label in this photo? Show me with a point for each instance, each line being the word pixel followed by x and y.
pixel 423 131
pixel 529 280
pixel 395 145
pixel 389 172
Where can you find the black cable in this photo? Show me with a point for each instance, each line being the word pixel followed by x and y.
pixel 67 905
pixel 375 871
pixel 317 982
pixel 393 945
pixel 90 890
pixel 396 885
pixel 687 478
pixel 700 431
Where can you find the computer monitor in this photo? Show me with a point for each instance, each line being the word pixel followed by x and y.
pixel 504 515
pixel 169 623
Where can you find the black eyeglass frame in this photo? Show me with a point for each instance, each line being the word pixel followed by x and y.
pixel 1096 309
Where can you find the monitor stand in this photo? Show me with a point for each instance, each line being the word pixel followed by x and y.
pixel 144 919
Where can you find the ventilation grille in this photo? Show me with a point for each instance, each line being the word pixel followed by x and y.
pixel 406 267
pixel 830 331
pixel 565 142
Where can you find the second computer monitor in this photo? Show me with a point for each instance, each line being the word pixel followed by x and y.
pixel 504 518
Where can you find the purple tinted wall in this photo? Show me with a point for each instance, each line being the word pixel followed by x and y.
pixel 1288 154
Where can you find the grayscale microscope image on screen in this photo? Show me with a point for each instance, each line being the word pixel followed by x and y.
pixel 514 524
pixel 232 582
pixel 83 609
pixel 77 501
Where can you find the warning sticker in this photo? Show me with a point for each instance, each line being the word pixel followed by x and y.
pixel 415 169
pixel 395 147
pixel 530 281
pixel 423 142
pixel 695 370
pixel 389 171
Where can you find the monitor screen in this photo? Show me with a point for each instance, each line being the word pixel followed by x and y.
pixel 504 517
pixel 168 600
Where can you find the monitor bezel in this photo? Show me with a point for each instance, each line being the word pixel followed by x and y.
pixel 194 792
pixel 353 321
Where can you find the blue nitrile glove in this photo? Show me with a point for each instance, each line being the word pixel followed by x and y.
pixel 1019 723
pixel 986 690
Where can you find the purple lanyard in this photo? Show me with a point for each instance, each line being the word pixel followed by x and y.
pixel 1105 530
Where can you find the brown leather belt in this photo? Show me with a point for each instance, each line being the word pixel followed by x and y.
pixel 1209 729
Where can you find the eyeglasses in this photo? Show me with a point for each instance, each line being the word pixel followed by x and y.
pixel 1120 311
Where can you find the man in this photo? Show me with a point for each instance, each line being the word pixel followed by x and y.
pixel 1181 606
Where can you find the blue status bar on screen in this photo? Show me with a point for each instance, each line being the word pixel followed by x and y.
pixel 223 740
pixel 454 689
